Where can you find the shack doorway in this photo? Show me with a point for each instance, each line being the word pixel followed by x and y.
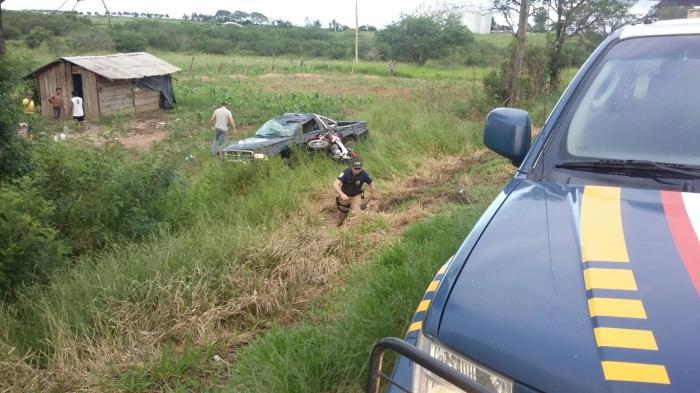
pixel 78 85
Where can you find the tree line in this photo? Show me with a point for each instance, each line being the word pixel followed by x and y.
pixel 586 21
pixel 414 38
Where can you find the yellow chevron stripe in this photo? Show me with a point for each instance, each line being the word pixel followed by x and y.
pixel 433 286
pixel 443 269
pixel 621 308
pixel 415 326
pixel 620 279
pixel 625 338
pixel 635 372
pixel 602 237
pixel 423 306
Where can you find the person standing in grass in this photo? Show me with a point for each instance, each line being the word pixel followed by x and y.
pixel 220 120
pixel 56 102
pixel 348 186
pixel 76 104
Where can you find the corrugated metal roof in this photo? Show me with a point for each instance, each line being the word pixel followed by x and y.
pixel 122 66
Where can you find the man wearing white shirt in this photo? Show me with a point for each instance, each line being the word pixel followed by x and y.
pixel 220 120
pixel 76 104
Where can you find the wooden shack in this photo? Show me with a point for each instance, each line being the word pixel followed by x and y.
pixel 120 83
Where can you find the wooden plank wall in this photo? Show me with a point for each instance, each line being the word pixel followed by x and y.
pixel 90 99
pixel 58 75
pixel 116 97
pixel 146 101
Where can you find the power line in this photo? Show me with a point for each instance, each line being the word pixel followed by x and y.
pixel 59 8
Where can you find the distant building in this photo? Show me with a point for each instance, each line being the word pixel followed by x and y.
pixel 125 82
pixel 694 13
pixel 477 23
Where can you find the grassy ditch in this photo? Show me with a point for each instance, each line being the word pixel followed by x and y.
pixel 116 319
pixel 329 350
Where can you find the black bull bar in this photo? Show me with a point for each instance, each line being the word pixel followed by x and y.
pixel 418 357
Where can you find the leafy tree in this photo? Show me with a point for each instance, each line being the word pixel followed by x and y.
pixel 129 42
pixel 90 41
pixel 222 16
pixel 240 17
pixel 419 38
pixel 258 18
pixel 574 17
pixel 13 150
pixel 540 19
pixel 2 34
pixel 37 36
pixel 334 26
pixel 29 246
pixel 283 23
pixel 509 9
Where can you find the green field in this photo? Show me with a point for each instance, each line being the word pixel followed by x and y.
pixel 183 273
pixel 245 264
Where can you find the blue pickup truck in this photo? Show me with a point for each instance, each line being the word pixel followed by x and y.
pixel 584 273
pixel 278 136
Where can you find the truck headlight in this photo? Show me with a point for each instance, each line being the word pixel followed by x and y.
pixel 426 382
pixel 259 156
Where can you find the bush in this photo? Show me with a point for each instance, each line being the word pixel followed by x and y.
pixel 90 41
pixel 12 33
pixel 101 196
pixel 532 80
pixel 13 151
pixel 29 248
pixel 36 37
pixel 129 42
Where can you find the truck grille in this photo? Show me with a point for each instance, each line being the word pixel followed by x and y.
pixel 238 155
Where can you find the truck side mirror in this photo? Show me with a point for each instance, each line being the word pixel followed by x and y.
pixel 507 133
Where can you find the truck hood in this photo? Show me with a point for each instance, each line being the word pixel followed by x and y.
pixel 580 289
pixel 254 144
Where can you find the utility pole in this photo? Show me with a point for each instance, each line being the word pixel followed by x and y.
pixel 357 35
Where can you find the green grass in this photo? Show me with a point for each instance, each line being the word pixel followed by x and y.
pixel 208 64
pixel 147 294
pixel 329 351
pixel 231 206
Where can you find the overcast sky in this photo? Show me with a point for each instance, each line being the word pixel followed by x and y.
pixel 373 12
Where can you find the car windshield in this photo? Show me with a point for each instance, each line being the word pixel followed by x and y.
pixel 641 103
pixel 277 127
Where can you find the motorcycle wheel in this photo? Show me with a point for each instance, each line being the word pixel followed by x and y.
pixel 318 144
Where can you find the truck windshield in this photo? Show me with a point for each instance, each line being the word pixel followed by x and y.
pixel 277 128
pixel 642 103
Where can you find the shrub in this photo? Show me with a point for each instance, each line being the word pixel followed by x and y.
pixel 129 42
pixel 532 79
pixel 12 33
pixel 90 41
pixel 13 152
pixel 36 37
pixel 29 248
pixel 101 196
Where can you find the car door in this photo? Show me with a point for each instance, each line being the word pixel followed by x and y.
pixel 312 129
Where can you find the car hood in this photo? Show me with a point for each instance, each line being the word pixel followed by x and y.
pixel 580 289
pixel 255 143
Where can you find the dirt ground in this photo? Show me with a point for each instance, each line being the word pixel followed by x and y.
pixel 140 132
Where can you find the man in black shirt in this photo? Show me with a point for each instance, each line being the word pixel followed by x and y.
pixel 348 186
